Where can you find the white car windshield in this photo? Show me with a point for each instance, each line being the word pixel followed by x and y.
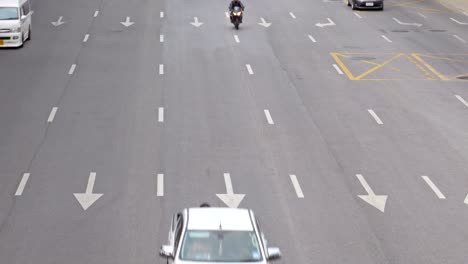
pixel 220 246
pixel 8 13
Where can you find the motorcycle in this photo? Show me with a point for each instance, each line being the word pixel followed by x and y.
pixel 236 16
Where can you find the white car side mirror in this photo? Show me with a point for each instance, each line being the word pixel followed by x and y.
pixel 167 251
pixel 273 253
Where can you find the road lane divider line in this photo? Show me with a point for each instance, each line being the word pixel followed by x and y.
pixel 226 14
pixel 161 69
pixel 375 116
pixel 161 114
pixel 96 13
pixel 72 69
pixel 236 38
pixel 161 14
pixel 161 38
pixel 292 15
pixel 22 184
pixel 421 15
pixel 160 185
pixel 249 69
pixel 434 188
pixel 459 38
pixel 461 100
pixel 356 14
pixel 296 186
pixel 52 114
pixel 386 38
pixel 312 38
pixel 337 69
pixel 268 117
pixel 86 37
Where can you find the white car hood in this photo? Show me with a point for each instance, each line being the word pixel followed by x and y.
pixel 9 24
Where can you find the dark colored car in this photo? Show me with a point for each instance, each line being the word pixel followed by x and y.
pixel 366 4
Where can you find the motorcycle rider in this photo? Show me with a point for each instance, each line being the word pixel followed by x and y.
pixel 233 4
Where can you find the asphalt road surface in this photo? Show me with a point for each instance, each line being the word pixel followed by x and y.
pixel 346 131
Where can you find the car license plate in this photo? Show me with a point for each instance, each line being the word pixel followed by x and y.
pixel 1 42
pixel 369 4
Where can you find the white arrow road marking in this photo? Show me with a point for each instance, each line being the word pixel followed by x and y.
pixel 161 69
pixel 161 114
pixel 72 69
pixel 459 38
pixel 249 69
pixel 337 69
pixel 421 15
pixel 378 201
pixel 52 115
pixel 161 38
pixel 296 186
pixel 58 22
pixel 264 23
pixel 96 13
pixel 356 14
pixel 375 116
pixel 127 22
pixel 86 37
pixel 161 14
pixel 312 38
pixel 268 117
pixel 330 23
pixel 407 24
pixel 461 100
pixel 196 23
pixel 236 38
pixel 386 38
pixel 458 22
pixel 292 15
pixel 434 188
pixel 88 198
pixel 160 185
pixel 231 199
pixel 22 184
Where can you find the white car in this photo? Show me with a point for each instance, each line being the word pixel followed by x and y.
pixel 217 235
pixel 15 22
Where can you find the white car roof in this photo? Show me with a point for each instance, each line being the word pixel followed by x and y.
pixel 11 3
pixel 210 218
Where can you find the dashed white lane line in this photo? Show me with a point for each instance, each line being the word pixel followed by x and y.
pixel 160 185
pixel 292 15
pixel 52 115
pixel 296 186
pixel 96 13
pixel 22 184
pixel 461 100
pixel 459 38
pixel 161 69
pixel 249 69
pixel 236 38
pixel 434 188
pixel 386 38
pixel 268 117
pixel 312 38
pixel 161 114
pixel 356 14
pixel 375 116
pixel 72 69
pixel 226 14
pixel 161 14
pixel 337 69
pixel 161 38
pixel 86 37
pixel 421 15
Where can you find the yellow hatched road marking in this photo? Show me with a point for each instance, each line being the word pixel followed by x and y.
pixel 434 71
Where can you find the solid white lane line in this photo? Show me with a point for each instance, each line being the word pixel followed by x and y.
pixel 421 15
pixel 72 69
pixel 161 114
pixel 386 38
pixel 249 69
pixel 337 69
pixel 458 22
pixel 160 185
pixel 296 185
pixel 434 188
pixel 161 69
pixel 461 100
pixel 357 15
pixel 52 115
pixel 86 37
pixel 96 13
pixel 161 38
pixel 236 38
pixel 268 117
pixel 292 15
pixel 375 116
pixel 22 184
pixel 459 38
pixel 312 38
pixel 161 14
